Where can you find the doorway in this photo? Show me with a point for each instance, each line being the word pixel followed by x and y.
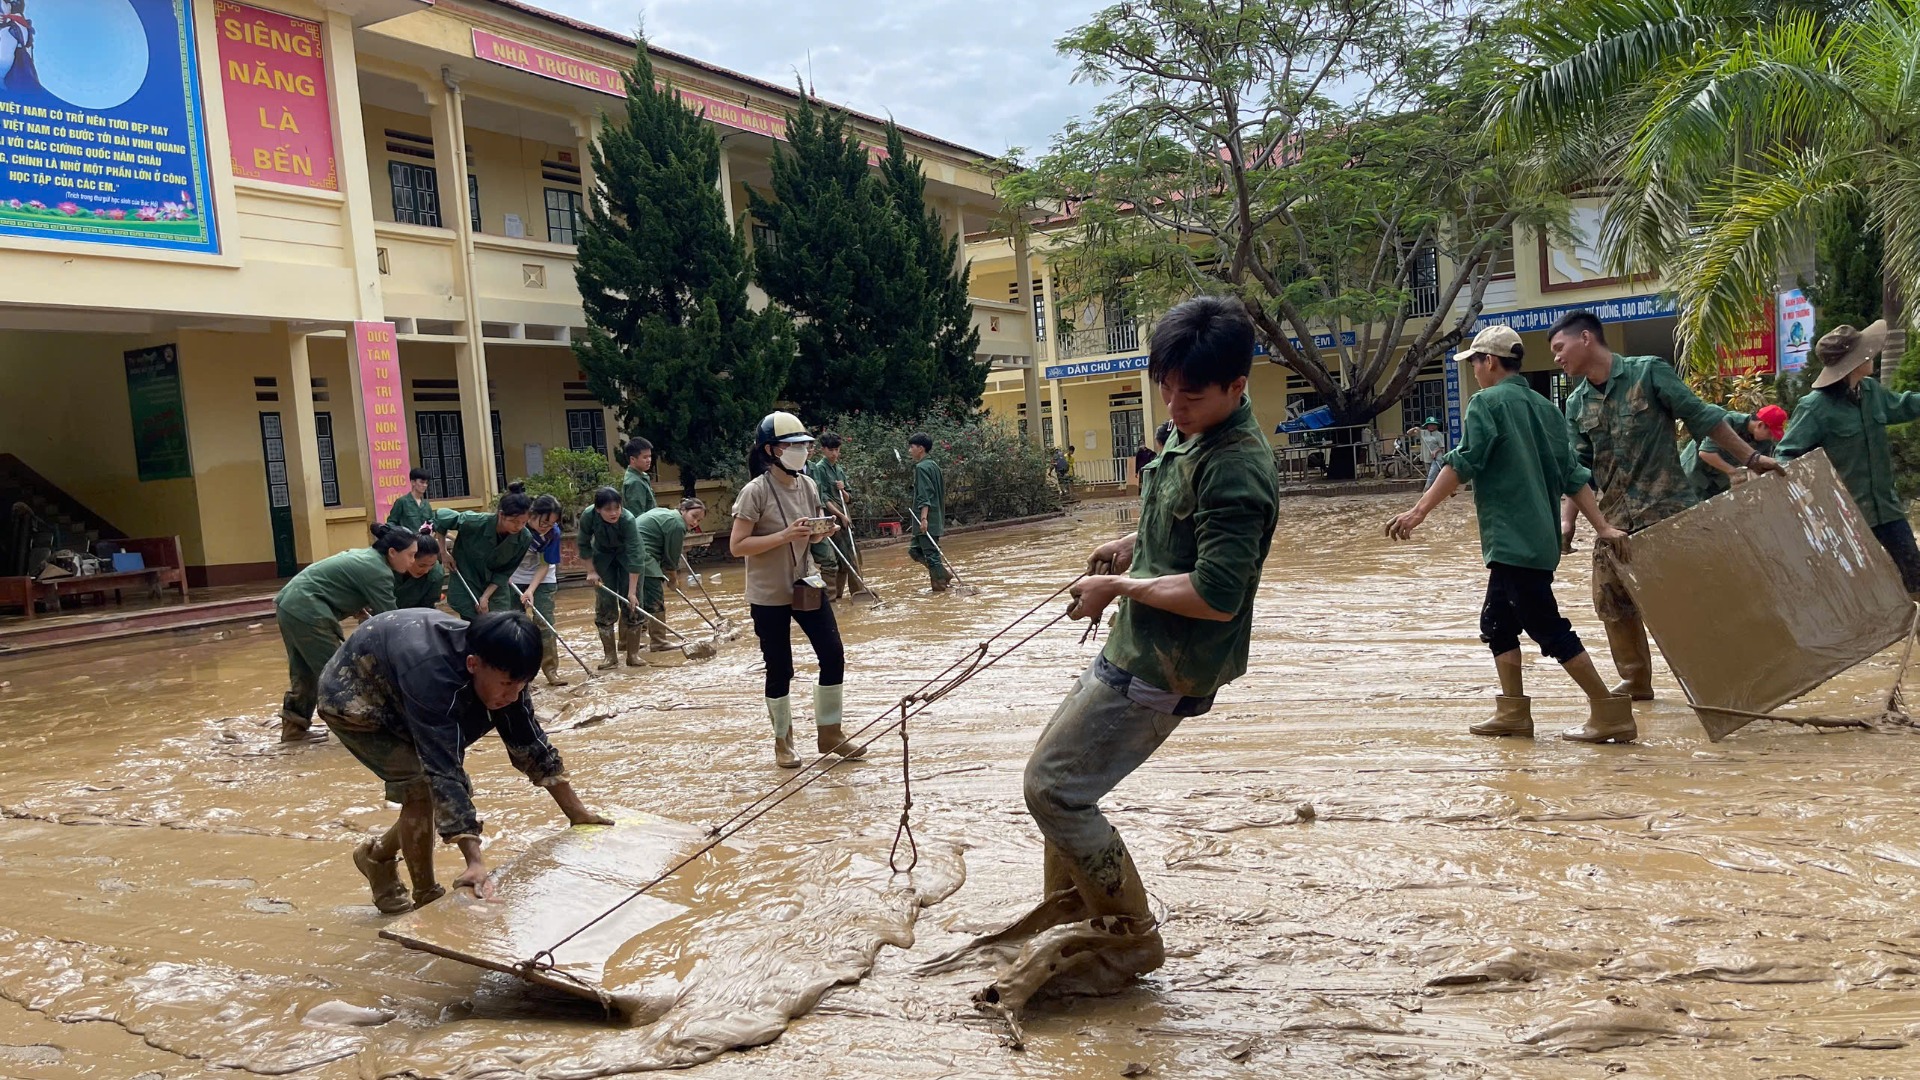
pixel 273 449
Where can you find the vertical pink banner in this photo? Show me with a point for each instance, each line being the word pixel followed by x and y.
pixel 385 422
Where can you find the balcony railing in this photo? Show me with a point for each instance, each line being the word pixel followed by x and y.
pixel 1100 340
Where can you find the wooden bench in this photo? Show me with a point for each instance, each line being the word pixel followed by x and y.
pixel 165 568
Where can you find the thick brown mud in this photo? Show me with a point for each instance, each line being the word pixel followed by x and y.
pixel 1352 885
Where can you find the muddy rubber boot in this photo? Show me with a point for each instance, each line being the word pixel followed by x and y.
pixel 780 711
pixel 940 585
pixel 657 635
pixel 550 668
pixel 383 877
pixel 612 661
pixel 839 581
pixel 295 730
pixel 1609 719
pixel 826 718
pixel 630 645
pixel 1511 716
pixel 1632 657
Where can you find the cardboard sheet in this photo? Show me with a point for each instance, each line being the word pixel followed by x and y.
pixel 1759 595
pixel 559 885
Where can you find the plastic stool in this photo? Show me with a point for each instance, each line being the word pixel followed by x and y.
pixel 888 528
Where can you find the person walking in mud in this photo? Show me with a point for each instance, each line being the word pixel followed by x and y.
pixel 425 582
pixel 609 540
pixel 309 608
pixel 537 581
pixel 407 694
pixel 776 518
pixel 929 510
pixel 1623 411
pixel 636 484
pixel 831 478
pixel 1514 451
pixel 1848 414
pixel 1185 584
pixel 662 534
pixel 1707 464
pixel 482 551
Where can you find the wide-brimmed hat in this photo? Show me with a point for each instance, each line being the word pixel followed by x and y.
pixel 1843 349
pixel 1494 341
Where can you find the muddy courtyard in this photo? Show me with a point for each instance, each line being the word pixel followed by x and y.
pixel 1352 885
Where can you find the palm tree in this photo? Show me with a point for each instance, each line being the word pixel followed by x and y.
pixel 1725 132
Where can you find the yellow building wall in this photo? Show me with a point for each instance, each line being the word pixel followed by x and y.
pixel 529 395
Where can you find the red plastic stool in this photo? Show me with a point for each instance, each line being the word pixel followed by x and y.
pixel 888 528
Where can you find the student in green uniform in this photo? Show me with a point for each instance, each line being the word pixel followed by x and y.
pixel 831 478
pixel 1712 473
pixel 423 583
pixel 537 579
pixel 636 487
pixel 309 609
pixel 1185 584
pixel 609 539
pixel 1515 453
pixel 483 554
pixel 662 532
pixel 1848 413
pixel 411 511
pixel 929 510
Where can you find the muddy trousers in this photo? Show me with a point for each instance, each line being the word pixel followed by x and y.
pixel 1097 737
pixel 1626 634
pixel 311 642
pixel 609 612
pixel 922 550
pixel 1520 598
pixel 549 645
pixel 466 605
pixel 653 599
pixel 1897 538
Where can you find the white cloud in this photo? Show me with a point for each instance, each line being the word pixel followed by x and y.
pixel 982 75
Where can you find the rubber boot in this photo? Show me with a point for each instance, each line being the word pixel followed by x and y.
pixel 657 633
pixel 1609 719
pixel 550 662
pixel 630 644
pixel 613 653
pixel 295 730
pixel 1632 657
pixel 383 877
pixel 1511 716
pixel 780 711
pixel 839 578
pixel 826 719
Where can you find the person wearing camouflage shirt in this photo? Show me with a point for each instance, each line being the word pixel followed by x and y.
pixel 1622 412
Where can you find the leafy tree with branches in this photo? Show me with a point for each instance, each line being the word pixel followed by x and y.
pixel 671 342
pixel 959 378
pixel 1321 159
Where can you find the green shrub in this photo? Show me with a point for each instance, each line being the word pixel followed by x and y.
pixel 572 476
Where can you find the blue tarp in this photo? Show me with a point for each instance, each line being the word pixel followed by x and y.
pixel 1311 420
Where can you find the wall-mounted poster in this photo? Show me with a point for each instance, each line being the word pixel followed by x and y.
pixel 101 129
pixel 159 414
pixel 273 69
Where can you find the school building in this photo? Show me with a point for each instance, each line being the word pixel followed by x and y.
pixel 261 258
pixel 1094 394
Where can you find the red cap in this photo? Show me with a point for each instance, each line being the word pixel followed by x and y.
pixel 1775 418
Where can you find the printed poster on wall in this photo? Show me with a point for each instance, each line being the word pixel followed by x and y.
pixel 1795 330
pixel 101 127
pixel 377 356
pixel 273 74
pixel 159 414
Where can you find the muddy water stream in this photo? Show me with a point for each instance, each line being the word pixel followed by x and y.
pixel 1352 885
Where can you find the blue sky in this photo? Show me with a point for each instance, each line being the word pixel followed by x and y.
pixel 983 75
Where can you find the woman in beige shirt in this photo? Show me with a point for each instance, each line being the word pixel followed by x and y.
pixel 776 517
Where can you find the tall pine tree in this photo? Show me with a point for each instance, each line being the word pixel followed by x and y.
pixel 671 341
pixel 959 378
pixel 844 262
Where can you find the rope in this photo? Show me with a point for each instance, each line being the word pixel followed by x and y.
pixel 916 701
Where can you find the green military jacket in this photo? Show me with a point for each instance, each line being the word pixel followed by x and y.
pixel 930 491
pixel 423 591
pixel 481 555
pixel 338 586
pixel 636 492
pixel 1208 507
pixel 410 513
pixel 1707 480
pixel 1624 432
pixel 1853 430
pixel 611 544
pixel 662 531
pixel 1515 451
pixel 829 476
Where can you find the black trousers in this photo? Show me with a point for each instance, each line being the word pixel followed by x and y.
pixel 773 625
pixel 1521 598
pixel 1897 538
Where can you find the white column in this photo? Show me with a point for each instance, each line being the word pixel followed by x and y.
pixel 726 183
pixel 956 218
pixel 1031 382
pixel 1050 349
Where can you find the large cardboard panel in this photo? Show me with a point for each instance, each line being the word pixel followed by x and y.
pixel 562 883
pixel 1761 594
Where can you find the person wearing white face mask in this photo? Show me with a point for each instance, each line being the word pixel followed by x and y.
pixel 776 517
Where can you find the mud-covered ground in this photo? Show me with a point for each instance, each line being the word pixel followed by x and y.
pixel 176 895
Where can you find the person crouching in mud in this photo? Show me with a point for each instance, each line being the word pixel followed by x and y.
pixel 406 695
pixel 1185 584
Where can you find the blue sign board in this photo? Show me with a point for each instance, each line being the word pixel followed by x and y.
pixel 1097 367
pixel 1625 309
pixel 101 126
pixel 1453 401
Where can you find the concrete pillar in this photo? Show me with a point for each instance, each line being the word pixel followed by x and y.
pixel 726 183
pixel 356 179
pixel 588 129
pixel 302 442
pixel 470 355
pixel 1050 350
pixel 956 219
pixel 1031 383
